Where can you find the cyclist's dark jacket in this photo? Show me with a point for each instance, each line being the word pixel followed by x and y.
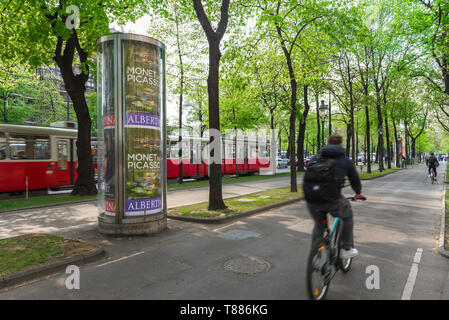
pixel 345 167
pixel 434 162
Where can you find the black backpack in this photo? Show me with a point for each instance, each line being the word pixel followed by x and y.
pixel 320 180
pixel 432 161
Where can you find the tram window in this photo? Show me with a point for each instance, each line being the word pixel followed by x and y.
pixel 29 147
pixel 41 148
pixel 18 148
pixel 63 154
pixel 167 151
pixel 2 146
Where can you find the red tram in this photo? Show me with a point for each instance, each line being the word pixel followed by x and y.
pixel 253 155
pixel 33 157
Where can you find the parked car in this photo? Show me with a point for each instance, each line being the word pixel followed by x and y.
pixel 281 163
pixel 306 160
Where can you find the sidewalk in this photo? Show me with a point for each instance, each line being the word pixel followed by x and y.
pixel 67 218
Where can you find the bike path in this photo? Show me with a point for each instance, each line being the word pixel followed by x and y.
pixel 264 256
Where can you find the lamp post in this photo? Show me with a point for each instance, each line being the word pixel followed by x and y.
pixel 323 108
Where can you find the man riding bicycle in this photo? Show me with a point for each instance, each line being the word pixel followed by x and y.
pixel 341 206
pixel 432 163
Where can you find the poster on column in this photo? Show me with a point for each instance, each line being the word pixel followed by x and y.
pixel 106 138
pixel 142 101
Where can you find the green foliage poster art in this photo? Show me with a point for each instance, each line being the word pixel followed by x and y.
pixel 142 94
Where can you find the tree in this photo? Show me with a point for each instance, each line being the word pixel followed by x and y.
pixel 17 85
pixel 286 21
pixel 179 31
pixel 214 38
pixel 64 32
pixel 48 102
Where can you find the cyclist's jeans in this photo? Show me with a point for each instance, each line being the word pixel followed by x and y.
pixel 341 208
pixel 435 170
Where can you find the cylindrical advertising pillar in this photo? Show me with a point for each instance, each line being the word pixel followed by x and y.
pixel 131 135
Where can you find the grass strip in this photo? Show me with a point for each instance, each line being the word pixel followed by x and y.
pixel 30 251
pixel 377 173
pixel 238 204
pixel 38 201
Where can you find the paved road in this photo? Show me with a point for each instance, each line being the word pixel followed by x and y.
pixel 188 261
pixel 67 218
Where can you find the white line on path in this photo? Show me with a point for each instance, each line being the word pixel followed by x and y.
pixel 122 258
pixel 408 290
pixel 226 226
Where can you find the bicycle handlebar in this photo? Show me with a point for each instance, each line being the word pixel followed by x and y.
pixel 353 198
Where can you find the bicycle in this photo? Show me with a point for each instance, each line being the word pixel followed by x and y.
pixel 324 260
pixel 432 175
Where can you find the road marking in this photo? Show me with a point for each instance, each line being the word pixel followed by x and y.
pixel 226 226
pixel 122 258
pixel 408 290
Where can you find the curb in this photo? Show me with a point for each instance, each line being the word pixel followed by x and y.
pixel 236 216
pixel 34 274
pixel 47 205
pixel 441 250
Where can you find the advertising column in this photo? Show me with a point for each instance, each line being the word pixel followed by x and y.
pixel 132 174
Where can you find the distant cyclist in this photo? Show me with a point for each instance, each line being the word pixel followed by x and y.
pixel 432 163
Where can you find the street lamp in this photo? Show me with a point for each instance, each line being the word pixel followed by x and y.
pixel 323 108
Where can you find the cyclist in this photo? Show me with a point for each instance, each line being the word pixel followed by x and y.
pixel 432 163
pixel 340 207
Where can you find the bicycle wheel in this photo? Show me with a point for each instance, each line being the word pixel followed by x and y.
pixel 319 270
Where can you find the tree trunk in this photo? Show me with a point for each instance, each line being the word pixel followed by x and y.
pixel 368 142
pixel 181 85
pixel 318 136
pixel 76 88
pixel 348 139
pixel 215 184
pixel 302 130
pixel 293 183
pixel 214 37
pixel 413 149
pixel 388 143
pixel 380 140
pixel 396 143
pixel 407 153
pixel 353 135
pixel 85 184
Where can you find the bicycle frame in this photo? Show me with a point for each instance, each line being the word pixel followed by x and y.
pixel 333 237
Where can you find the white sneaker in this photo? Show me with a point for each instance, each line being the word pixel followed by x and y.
pixel 346 254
